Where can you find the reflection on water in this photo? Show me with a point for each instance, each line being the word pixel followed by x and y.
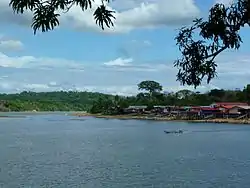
pixel 56 150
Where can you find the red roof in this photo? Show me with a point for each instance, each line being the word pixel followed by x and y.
pixel 208 108
pixel 231 104
pixel 203 108
pixel 228 106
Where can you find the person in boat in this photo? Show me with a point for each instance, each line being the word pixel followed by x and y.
pixel 175 132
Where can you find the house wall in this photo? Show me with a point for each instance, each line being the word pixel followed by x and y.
pixel 234 110
pixel 165 110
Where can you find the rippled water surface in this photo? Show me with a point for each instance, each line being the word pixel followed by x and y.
pixel 54 150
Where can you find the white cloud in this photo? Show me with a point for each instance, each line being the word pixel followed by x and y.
pixel 234 64
pixel 119 62
pixel 147 43
pixel 119 76
pixel 225 2
pixel 123 64
pixel 137 14
pixel 144 15
pixel 11 45
pixel 7 15
pixel 38 62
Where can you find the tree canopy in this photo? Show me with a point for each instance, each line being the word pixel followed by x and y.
pixel 110 104
pixel 46 13
pixel 150 86
pixel 49 101
pixel 216 34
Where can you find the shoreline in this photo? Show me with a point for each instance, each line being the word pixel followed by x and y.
pixel 155 118
pixel 2 116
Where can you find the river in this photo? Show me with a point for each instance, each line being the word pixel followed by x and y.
pixel 55 150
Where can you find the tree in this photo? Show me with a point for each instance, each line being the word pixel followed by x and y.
pixel 218 33
pixel 217 93
pixel 184 94
pixel 46 12
pixel 150 86
pixel 246 92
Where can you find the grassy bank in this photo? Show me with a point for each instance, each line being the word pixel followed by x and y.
pixel 156 118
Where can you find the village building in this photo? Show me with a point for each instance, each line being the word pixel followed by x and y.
pixel 228 107
pixel 243 110
pixel 205 110
pixel 215 110
pixel 135 109
pixel 163 109
pixel 159 109
pixel 219 104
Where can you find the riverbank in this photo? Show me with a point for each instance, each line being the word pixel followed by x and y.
pixel 159 118
pixel 3 116
pixel 230 121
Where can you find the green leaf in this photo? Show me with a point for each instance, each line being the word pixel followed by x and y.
pixel 104 16
pixel 44 18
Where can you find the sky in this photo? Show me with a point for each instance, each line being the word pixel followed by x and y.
pixel 78 55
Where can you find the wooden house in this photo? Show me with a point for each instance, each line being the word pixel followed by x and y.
pixel 240 110
pixel 228 107
pixel 163 109
pixel 135 109
pixel 205 110
pixel 158 109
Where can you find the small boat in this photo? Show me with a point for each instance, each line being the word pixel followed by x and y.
pixel 174 132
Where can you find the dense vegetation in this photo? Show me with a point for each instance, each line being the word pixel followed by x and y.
pixel 180 98
pixel 49 101
pixel 109 104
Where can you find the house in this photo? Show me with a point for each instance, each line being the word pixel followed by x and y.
pixel 220 104
pixel 226 107
pixel 240 110
pixel 163 109
pixel 205 110
pixel 209 111
pixel 135 109
pixel 158 109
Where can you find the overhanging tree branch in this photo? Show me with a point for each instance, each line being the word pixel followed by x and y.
pixel 218 33
pixel 46 13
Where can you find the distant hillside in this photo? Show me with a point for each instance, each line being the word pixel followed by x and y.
pixel 49 101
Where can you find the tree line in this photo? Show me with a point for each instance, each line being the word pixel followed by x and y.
pixel 150 93
pixel 49 101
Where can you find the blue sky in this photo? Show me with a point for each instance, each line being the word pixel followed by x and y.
pixel 80 56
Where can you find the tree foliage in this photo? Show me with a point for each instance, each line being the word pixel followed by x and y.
pixel 110 104
pixel 150 86
pixel 46 13
pixel 49 101
pixel 115 105
pixel 216 34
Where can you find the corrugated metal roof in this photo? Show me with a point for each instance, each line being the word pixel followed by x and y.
pixel 228 106
pixel 159 106
pixel 244 107
pixel 137 107
pixel 231 103
pixel 208 108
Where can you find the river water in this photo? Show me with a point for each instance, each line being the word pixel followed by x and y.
pixel 62 151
